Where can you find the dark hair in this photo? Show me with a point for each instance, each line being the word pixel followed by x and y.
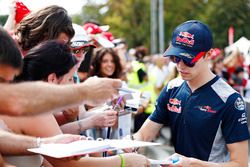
pixel 46 58
pixel 45 24
pixel 97 60
pixel 140 52
pixel 9 53
pixel 239 70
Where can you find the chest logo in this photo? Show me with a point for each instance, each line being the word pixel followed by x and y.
pixel 175 101
pixel 207 109
pixel 174 105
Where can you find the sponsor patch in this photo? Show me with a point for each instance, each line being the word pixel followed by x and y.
pixel 243 119
pixel 185 38
pixel 175 101
pixel 173 108
pixel 186 55
pixel 239 104
pixel 207 109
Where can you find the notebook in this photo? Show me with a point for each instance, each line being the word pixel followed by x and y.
pixel 83 147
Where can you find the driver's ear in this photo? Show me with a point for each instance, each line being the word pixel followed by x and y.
pixel 208 55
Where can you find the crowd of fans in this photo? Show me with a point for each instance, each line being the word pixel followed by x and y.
pixel 58 52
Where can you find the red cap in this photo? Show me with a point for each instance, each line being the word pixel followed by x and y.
pixel 91 28
pixel 108 35
pixel 21 11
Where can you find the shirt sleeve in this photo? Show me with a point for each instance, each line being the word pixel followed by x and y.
pixel 161 115
pixel 234 122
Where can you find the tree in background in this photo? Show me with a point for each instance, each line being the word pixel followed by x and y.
pixel 222 14
pixel 127 18
pixel 3 19
pixel 179 11
pixel 131 18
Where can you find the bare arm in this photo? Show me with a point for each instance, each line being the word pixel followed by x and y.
pixel 13 144
pixel 238 154
pixel 131 160
pixel 148 131
pixel 77 126
pixel 101 119
pixel 37 97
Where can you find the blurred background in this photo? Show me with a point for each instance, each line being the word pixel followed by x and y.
pixel 150 22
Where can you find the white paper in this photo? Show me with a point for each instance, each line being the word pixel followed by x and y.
pixel 83 147
pixel 159 162
pixel 124 124
pixel 121 144
pixel 80 147
pixel 135 101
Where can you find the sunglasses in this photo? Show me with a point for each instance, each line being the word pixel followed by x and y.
pixel 176 59
pixel 83 50
pixel 80 46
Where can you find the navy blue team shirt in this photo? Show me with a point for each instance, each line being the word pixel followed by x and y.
pixel 204 121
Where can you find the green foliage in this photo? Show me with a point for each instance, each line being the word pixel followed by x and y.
pixel 224 14
pixel 131 18
pixel 3 19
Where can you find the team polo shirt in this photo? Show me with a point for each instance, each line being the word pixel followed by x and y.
pixel 204 121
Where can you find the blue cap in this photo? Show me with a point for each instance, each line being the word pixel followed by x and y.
pixel 190 39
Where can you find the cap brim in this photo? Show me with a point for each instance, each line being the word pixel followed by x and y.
pixel 104 27
pixel 81 44
pixel 104 41
pixel 80 38
pixel 182 53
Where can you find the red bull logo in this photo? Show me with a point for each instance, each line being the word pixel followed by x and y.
pixel 185 38
pixel 174 108
pixel 174 101
pixel 186 34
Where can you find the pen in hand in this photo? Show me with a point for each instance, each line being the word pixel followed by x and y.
pixel 114 108
pixel 109 128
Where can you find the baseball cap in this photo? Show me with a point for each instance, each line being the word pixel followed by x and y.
pixel 108 35
pixel 21 11
pixel 98 34
pixel 80 39
pixel 92 28
pixel 190 40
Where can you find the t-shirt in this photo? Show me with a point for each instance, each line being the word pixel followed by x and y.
pixel 204 121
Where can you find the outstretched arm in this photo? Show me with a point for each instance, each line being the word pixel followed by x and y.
pixel 148 131
pixel 36 97
pixel 14 144
pixel 103 119
pixel 130 159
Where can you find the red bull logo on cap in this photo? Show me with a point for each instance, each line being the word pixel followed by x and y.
pixel 186 34
pixel 185 38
